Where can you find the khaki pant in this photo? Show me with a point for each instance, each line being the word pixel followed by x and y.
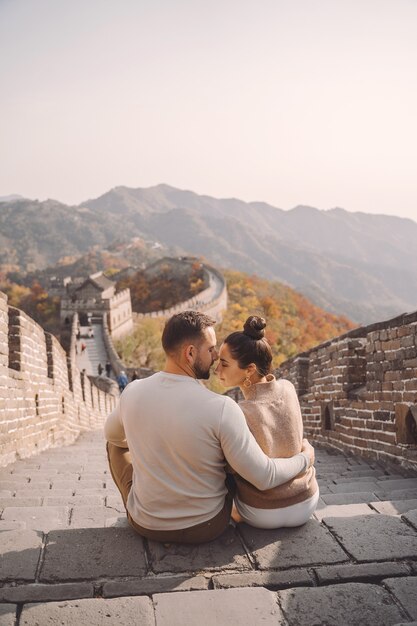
pixel 121 470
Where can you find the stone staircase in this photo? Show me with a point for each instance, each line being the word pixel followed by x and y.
pixel 95 351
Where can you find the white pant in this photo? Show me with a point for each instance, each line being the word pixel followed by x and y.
pixel 294 515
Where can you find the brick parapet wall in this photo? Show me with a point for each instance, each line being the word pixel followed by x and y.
pixel 357 390
pixel 115 361
pixel 38 406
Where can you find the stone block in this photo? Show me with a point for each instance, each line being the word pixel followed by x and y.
pixel 342 510
pixel 38 484
pixel 349 604
pixel 97 484
pixel 90 516
pixel 359 471
pixel 397 484
pixel 405 590
pixel 270 580
pixel 31 493
pixel 65 468
pixel 90 612
pixel 154 584
pixel 115 502
pixel 221 607
pixel 292 547
pixel 348 498
pixel 42 518
pixel 4 525
pixel 72 501
pixel 360 572
pixel 20 502
pixel 401 494
pixel 87 491
pixel 97 473
pixel 391 537
pixel 117 522
pixel 63 485
pixel 20 551
pixel 411 517
pixel 354 487
pixel 46 593
pixel 92 553
pixel 13 484
pixel 226 552
pixel 355 480
pixel 394 507
pixel 8 614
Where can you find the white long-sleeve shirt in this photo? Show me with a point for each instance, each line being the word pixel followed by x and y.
pixel 180 436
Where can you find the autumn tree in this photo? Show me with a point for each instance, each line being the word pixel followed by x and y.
pixel 142 348
pixel 35 302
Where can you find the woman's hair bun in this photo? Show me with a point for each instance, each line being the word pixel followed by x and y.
pixel 254 327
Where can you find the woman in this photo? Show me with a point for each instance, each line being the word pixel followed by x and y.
pixel 273 415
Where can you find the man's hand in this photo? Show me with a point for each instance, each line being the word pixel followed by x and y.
pixel 308 450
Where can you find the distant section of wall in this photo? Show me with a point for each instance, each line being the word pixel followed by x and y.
pixel 44 399
pixel 115 361
pixel 119 314
pixel 97 297
pixel 358 392
pixel 212 300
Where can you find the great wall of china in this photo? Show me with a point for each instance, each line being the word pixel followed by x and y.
pixel 358 392
pixel 45 399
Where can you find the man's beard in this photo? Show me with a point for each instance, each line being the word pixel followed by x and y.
pixel 202 372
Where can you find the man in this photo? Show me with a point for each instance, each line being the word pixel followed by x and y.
pixel 169 439
pixel 122 380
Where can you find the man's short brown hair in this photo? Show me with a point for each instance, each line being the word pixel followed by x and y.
pixel 184 327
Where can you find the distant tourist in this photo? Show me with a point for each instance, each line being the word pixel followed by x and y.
pixel 273 415
pixel 83 347
pixel 108 369
pixel 122 380
pixel 90 332
pixel 170 438
pixel 100 369
pixel 134 376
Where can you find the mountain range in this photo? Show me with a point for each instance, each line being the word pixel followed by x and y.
pixel 362 265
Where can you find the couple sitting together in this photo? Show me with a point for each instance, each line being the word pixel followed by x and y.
pixel 182 456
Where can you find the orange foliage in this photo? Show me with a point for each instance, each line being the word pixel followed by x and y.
pixel 36 302
pixel 294 324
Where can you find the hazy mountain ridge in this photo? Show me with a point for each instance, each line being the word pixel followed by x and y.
pixel 11 198
pixel 362 265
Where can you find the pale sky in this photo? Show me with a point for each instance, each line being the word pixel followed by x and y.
pixel 284 101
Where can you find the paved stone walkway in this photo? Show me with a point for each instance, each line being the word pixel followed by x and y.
pixel 68 556
pixel 95 351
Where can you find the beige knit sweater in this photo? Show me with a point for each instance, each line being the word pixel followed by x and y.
pixel 273 415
